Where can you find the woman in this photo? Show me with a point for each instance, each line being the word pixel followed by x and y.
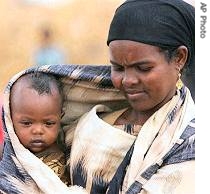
pixel 141 144
pixel 150 43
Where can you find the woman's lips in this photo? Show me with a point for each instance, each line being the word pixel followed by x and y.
pixel 133 95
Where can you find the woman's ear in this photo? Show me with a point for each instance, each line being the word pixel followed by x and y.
pixel 181 56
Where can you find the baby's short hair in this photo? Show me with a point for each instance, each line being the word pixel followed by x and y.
pixel 43 83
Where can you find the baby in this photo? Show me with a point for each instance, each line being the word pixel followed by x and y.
pixel 36 111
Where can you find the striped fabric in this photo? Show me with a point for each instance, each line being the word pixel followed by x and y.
pixel 124 163
pixel 83 86
pixel 97 150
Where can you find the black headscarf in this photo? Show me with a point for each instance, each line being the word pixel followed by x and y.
pixel 164 23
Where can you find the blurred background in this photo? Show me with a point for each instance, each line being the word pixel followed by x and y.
pixel 72 31
pixel 77 28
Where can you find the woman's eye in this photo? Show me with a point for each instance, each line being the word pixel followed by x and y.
pixel 142 68
pixel 117 68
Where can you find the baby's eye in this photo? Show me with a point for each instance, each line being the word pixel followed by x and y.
pixel 50 123
pixel 26 123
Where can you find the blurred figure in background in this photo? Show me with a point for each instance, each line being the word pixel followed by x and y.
pixel 48 53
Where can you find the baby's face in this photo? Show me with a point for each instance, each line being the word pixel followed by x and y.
pixel 36 118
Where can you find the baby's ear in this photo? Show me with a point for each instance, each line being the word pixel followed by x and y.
pixel 62 114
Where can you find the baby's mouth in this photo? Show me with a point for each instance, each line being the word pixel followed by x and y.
pixel 37 143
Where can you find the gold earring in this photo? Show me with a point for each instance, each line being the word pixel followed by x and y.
pixel 179 83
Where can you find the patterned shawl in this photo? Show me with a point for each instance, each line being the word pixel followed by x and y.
pixel 97 148
pixel 160 160
pixel 84 86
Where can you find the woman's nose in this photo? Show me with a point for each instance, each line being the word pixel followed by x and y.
pixel 129 78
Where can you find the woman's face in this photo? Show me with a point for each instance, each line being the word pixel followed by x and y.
pixel 143 74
